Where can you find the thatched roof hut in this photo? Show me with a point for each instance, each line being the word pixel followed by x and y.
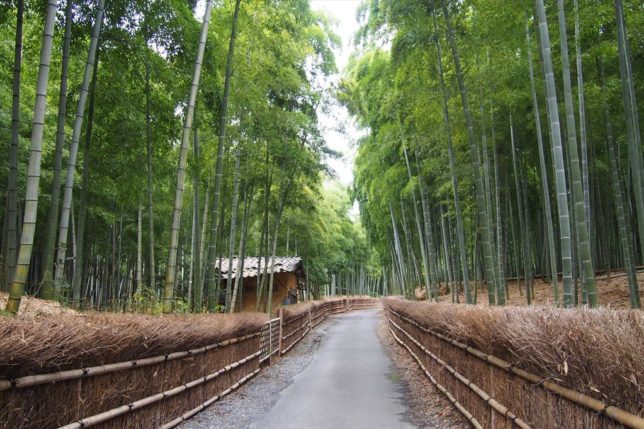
pixel 289 277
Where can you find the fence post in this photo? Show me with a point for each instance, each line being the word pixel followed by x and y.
pixel 270 342
pixel 310 319
pixel 281 316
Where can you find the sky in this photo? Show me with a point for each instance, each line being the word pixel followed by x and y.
pixel 344 12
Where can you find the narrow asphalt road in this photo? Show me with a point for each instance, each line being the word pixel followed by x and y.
pixel 350 383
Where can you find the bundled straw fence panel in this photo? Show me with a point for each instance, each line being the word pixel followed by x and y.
pixel 108 390
pixel 492 391
pixel 167 368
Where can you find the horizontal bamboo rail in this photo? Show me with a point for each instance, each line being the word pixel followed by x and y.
pixel 498 407
pixel 176 422
pixel 295 342
pixel 295 331
pixel 596 405
pixel 475 423
pixel 124 409
pixel 73 374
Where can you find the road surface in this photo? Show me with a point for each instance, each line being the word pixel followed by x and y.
pixel 350 384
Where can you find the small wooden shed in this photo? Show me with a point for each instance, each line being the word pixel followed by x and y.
pixel 289 277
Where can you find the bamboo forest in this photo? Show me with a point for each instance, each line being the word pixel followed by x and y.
pixel 467 173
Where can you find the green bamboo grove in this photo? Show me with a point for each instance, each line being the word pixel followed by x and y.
pixel 146 140
pixel 521 122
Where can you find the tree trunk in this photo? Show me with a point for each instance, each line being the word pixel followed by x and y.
pixel 233 232
pixel 168 290
pixel 278 218
pixel 223 119
pixel 525 251
pixel 460 231
pixel 10 240
pixel 498 291
pixel 17 287
pixel 582 124
pixel 197 302
pixel 552 252
pixel 73 151
pixel 485 223
pixel 54 208
pixel 621 212
pixel 557 156
pixel 239 279
pixel 581 223
pixel 421 236
pixel 139 249
pixel 82 206
pixel 149 153
pixel 632 121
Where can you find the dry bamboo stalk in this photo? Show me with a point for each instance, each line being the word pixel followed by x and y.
pixel 498 407
pixel 72 374
pixel 295 342
pixel 294 332
pixel 189 414
pixel 617 414
pixel 115 412
pixel 440 387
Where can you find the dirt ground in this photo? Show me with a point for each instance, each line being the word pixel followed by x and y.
pixel 429 407
pixel 34 306
pixel 612 289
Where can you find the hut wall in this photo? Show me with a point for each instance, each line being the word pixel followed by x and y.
pixel 282 283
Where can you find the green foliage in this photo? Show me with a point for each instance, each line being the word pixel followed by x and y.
pixel 392 90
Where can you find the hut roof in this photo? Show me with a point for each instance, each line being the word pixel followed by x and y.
pixel 280 264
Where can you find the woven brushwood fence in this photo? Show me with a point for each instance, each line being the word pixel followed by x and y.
pixel 163 390
pixel 149 392
pixel 493 393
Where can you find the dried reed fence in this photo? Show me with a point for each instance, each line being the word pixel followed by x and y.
pixel 116 371
pixel 529 367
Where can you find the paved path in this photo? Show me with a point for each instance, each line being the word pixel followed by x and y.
pixel 349 384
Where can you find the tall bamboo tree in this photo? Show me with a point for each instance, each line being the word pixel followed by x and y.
pixel 632 120
pixel 17 287
pixel 233 231
pixel 460 231
pixel 168 290
pixel 621 212
pixel 557 156
pixel 582 233
pixel 10 240
pixel 73 150
pixel 54 207
pixel 149 151
pixel 84 189
pixel 545 188
pixel 223 120
pixel 485 222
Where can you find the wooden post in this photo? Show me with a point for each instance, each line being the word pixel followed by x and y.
pixel 270 342
pixel 281 317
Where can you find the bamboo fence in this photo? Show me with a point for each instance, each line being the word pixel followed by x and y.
pixel 492 393
pixel 160 391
